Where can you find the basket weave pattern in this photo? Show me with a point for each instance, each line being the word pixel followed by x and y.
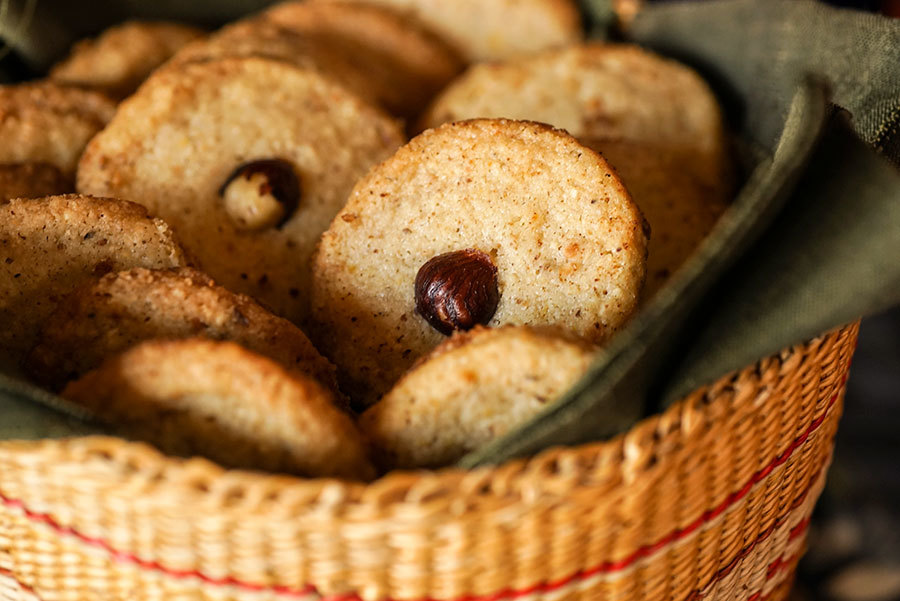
pixel 709 500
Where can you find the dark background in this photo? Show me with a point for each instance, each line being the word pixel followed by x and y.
pixel 854 540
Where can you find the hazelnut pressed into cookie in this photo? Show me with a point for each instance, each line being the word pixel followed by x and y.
pixel 50 246
pixel 248 159
pixel 219 400
pixel 480 222
pixel 111 314
pixel 473 388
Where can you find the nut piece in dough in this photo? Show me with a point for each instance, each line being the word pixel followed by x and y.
pixel 175 142
pixel 475 387
pixel 261 194
pixel 114 313
pixel 50 246
pixel 563 233
pixel 118 60
pixel 219 400
pixel 457 290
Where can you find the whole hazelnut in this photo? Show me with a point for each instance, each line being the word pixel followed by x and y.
pixel 261 194
pixel 457 290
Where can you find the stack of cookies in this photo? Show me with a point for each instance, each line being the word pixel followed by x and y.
pixel 226 245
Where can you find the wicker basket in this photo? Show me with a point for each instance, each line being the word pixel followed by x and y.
pixel 709 500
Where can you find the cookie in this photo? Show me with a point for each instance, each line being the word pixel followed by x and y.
pixel 485 221
pixel 681 207
pixel 408 63
pixel 119 310
pixel 654 119
pixel 49 123
pixel 599 92
pixel 248 159
pixel 120 58
pixel 473 388
pixel 30 180
pixel 497 29
pixel 50 246
pixel 258 37
pixel 371 52
pixel 219 400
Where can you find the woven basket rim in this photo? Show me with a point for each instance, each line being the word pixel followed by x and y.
pixel 102 496
pixel 557 469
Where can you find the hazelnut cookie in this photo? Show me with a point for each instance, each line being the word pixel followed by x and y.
pixel 473 388
pixel 109 315
pixel 497 29
pixel 248 159
pixel 120 58
pixel 49 123
pixel 222 401
pixel 478 222
pixel 50 246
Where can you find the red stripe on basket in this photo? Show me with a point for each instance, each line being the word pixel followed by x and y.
pixel 773 568
pixel 783 564
pixel 606 567
pixel 6 573
pixel 131 558
pixel 799 529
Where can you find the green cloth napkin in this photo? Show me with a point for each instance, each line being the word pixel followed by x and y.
pixel 811 242
pixel 619 388
pixel 29 413
pixel 832 253
pixel 756 49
